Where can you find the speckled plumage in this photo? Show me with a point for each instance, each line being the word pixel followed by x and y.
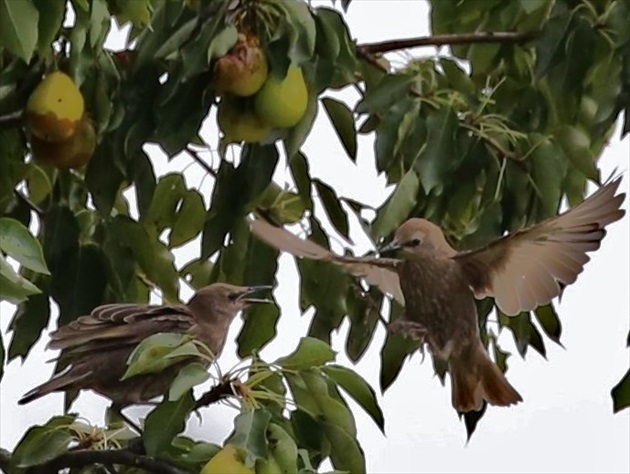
pixel 96 347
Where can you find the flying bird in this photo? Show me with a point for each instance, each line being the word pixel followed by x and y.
pixel 438 285
pixel 97 346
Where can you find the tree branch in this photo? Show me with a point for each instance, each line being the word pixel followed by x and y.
pixel 452 39
pixel 86 457
pixel 199 160
pixel 11 120
pixel 216 393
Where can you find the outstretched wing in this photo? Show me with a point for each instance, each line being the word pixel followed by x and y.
pixel 528 268
pixel 380 272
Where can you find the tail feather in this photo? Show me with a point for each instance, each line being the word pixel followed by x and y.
pixel 475 378
pixel 63 381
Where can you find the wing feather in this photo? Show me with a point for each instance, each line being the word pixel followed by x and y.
pixel 528 268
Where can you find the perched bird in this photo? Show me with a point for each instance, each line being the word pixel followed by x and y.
pixel 97 346
pixel 437 284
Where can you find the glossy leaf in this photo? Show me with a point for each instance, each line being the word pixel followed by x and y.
pixel 249 432
pixel 18 24
pixel 397 207
pixel 359 390
pixel 165 422
pixel 188 377
pixel 310 352
pixel 343 121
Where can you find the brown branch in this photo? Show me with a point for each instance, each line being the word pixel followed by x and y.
pixel 452 39
pixel 87 457
pixel 197 158
pixel 216 393
pixel 12 120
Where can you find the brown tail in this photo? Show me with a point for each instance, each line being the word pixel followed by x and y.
pixel 63 381
pixel 475 378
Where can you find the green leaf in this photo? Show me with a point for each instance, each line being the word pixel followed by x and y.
pixel 310 352
pixel 549 48
pixel 177 39
pixel 359 390
pixel 249 432
pixel 550 169
pixel 576 145
pixel 166 421
pixel 18 27
pixel 189 376
pixel 14 288
pixel 335 211
pixel 159 351
pixel 397 207
pixel 190 219
pixel 621 393
pixel 394 352
pixel 19 243
pixel 298 134
pixel 259 328
pixel 41 444
pixel 440 153
pixel 343 121
pixel 50 18
pixel 222 42
pixel 390 89
pixel 346 453
pixel 79 283
pixel 27 325
pixel 549 321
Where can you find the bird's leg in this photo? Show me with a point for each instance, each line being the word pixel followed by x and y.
pixel 409 328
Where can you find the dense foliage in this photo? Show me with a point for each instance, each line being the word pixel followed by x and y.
pixel 483 141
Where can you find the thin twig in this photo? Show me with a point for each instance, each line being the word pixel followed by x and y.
pixel 87 457
pixel 11 120
pixel 34 207
pixel 200 162
pixel 451 39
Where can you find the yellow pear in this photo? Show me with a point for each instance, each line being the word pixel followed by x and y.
pixel 227 461
pixel 243 70
pixel 74 152
pixel 239 123
pixel 55 108
pixel 282 103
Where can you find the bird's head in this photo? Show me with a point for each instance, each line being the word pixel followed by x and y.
pixel 418 235
pixel 222 300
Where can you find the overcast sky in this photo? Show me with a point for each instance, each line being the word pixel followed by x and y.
pixel 565 423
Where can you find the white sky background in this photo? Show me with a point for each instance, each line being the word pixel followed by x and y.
pixel 565 423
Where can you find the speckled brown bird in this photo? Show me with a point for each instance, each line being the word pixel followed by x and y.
pixel 97 346
pixel 438 285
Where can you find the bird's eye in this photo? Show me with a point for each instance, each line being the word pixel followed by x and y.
pixel 414 243
pixel 233 296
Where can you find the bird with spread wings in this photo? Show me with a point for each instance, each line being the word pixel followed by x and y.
pixel 521 271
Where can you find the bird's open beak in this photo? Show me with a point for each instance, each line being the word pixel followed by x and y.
pixel 390 247
pixel 244 296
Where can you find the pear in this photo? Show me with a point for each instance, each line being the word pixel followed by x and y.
pixel 239 123
pixel 55 108
pixel 227 461
pixel 282 103
pixel 243 70
pixel 74 152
